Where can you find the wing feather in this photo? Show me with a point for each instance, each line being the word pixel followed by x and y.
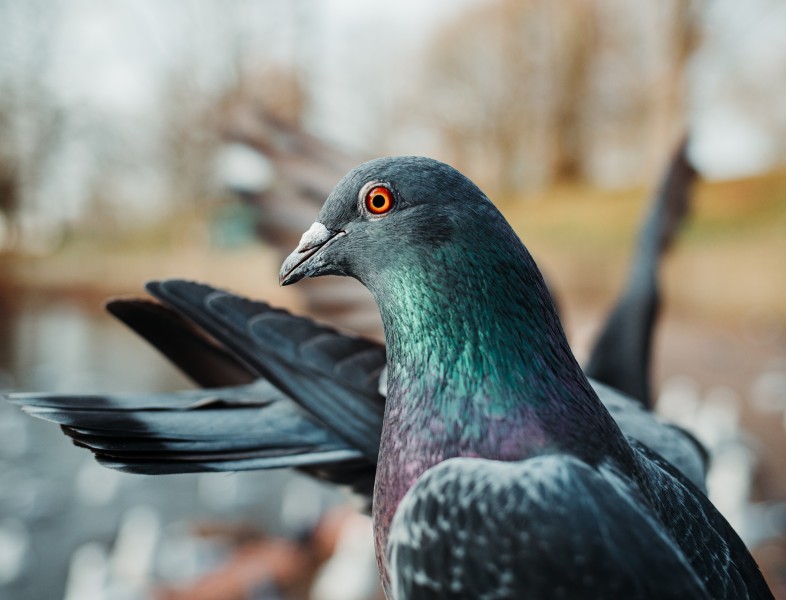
pixel 238 428
pixel 555 527
pixel 295 354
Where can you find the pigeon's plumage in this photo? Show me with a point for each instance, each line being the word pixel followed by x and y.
pixel 236 347
pixel 518 537
pixel 479 368
pixel 284 391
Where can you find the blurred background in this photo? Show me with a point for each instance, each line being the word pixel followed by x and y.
pixel 143 139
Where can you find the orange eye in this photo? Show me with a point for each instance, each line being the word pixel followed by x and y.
pixel 379 200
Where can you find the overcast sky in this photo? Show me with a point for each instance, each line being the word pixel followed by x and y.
pixel 113 53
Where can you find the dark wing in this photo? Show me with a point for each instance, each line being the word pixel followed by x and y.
pixel 711 545
pixel 203 361
pixel 549 527
pixel 620 357
pixel 674 444
pixel 244 427
pixel 330 374
pixel 219 340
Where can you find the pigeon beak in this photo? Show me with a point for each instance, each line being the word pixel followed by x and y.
pixel 304 261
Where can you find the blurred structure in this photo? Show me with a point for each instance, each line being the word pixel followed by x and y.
pixel 292 173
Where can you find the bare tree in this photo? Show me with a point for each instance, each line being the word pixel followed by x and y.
pixel 533 91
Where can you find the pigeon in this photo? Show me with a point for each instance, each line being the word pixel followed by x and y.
pixel 282 391
pixel 235 347
pixel 279 391
pixel 500 472
pixel 253 361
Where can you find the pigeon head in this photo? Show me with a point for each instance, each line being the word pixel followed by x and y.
pixel 452 280
pixel 385 215
pixel 456 289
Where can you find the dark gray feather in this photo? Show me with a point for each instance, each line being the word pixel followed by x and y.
pixel 350 406
pixel 202 360
pixel 549 527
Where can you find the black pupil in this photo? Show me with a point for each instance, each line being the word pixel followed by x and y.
pixel 378 201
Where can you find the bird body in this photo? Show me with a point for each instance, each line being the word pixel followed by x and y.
pixel 490 422
pixel 478 365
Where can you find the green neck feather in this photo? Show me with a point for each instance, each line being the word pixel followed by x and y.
pixel 473 315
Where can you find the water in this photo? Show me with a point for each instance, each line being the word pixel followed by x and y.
pixel 72 529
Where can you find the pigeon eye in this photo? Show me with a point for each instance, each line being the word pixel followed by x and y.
pixel 379 200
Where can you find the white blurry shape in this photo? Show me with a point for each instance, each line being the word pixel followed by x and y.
pixel 765 521
pixel 679 400
pixel 729 484
pixel 87 573
pixel 14 543
pixel 736 82
pixel 769 391
pixel 301 504
pixel 717 420
pixel 351 573
pixel 96 485
pixel 382 384
pixel 218 490
pixel 732 463
pixel 737 149
pixel 131 562
pixel 242 169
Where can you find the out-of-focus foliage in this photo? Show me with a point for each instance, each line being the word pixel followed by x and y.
pixel 31 124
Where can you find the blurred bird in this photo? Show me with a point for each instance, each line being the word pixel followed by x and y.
pixel 470 326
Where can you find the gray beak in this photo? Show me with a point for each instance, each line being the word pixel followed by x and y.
pixel 305 260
